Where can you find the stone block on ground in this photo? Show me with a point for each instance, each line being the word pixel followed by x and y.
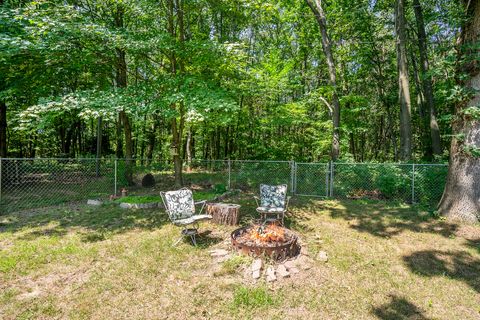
pixel 289 264
pixel 257 264
pixel 218 253
pixel 304 263
pixel 304 251
pixel 94 202
pixel 293 270
pixel 256 274
pixel 271 277
pixel 322 256
pixel 282 271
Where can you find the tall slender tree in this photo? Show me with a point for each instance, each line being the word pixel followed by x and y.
pixel 403 82
pixel 426 79
pixel 317 9
pixel 121 82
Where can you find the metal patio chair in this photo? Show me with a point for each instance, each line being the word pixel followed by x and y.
pixel 273 201
pixel 180 207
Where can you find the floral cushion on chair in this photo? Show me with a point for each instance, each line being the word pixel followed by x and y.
pixel 273 196
pixel 180 204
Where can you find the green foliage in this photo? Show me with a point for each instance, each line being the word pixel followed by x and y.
pixel 232 265
pixel 249 79
pixel 253 297
pixel 219 188
pixel 471 150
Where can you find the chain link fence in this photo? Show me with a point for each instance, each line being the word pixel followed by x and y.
pixel 32 183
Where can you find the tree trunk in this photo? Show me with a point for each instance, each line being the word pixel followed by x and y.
pixel 3 129
pixel 151 141
pixel 461 197
pixel 121 80
pixel 317 9
pixel 224 213
pixel 119 150
pixel 188 149
pixel 403 83
pixel 99 146
pixel 427 80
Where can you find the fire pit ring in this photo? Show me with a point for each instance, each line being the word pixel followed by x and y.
pixel 279 250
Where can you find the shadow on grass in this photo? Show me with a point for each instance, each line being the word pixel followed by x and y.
pixel 380 219
pixel 398 308
pixel 206 240
pixel 475 244
pixel 96 221
pixel 458 265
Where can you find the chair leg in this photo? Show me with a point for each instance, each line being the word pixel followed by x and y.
pixel 194 240
pixel 178 240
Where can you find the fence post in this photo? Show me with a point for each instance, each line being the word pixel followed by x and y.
pixel 332 168
pixel 115 188
pixel 292 178
pixel 413 183
pixel 327 181
pixel 229 174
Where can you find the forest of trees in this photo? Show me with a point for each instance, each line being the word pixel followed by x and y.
pixel 310 80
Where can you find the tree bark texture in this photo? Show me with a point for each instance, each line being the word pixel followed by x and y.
pixel 3 129
pixel 224 213
pixel 403 83
pixel 426 79
pixel 461 197
pixel 317 9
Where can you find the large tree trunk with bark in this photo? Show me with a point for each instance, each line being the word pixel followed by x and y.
pixel 403 83
pixel 461 197
pixel 3 129
pixel 317 9
pixel 427 80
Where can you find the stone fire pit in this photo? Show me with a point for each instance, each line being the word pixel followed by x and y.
pixel 265 240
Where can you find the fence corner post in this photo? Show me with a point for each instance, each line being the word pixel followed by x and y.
pixel 115 182
pixel 229 174
pixel 413 183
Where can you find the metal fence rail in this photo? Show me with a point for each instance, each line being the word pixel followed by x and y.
pixel 31 183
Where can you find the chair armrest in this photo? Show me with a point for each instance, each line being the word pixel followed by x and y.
pixel 257 200
pixel 198 202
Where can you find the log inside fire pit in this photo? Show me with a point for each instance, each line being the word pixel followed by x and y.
pixel 271 241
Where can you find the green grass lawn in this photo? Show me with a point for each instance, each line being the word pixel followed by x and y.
pixel 385 262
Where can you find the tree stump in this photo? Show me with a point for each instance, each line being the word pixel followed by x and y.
pixel 224 213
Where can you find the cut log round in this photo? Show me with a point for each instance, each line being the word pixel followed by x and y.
pixel 224 213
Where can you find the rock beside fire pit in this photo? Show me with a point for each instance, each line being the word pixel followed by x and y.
pixel 257 268
pixel 271 274
pixel 282 271
pixel 322 256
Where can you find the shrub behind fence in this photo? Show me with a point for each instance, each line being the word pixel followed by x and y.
pixel 31 183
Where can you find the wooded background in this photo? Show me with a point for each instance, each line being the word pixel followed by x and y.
pixel 229 79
